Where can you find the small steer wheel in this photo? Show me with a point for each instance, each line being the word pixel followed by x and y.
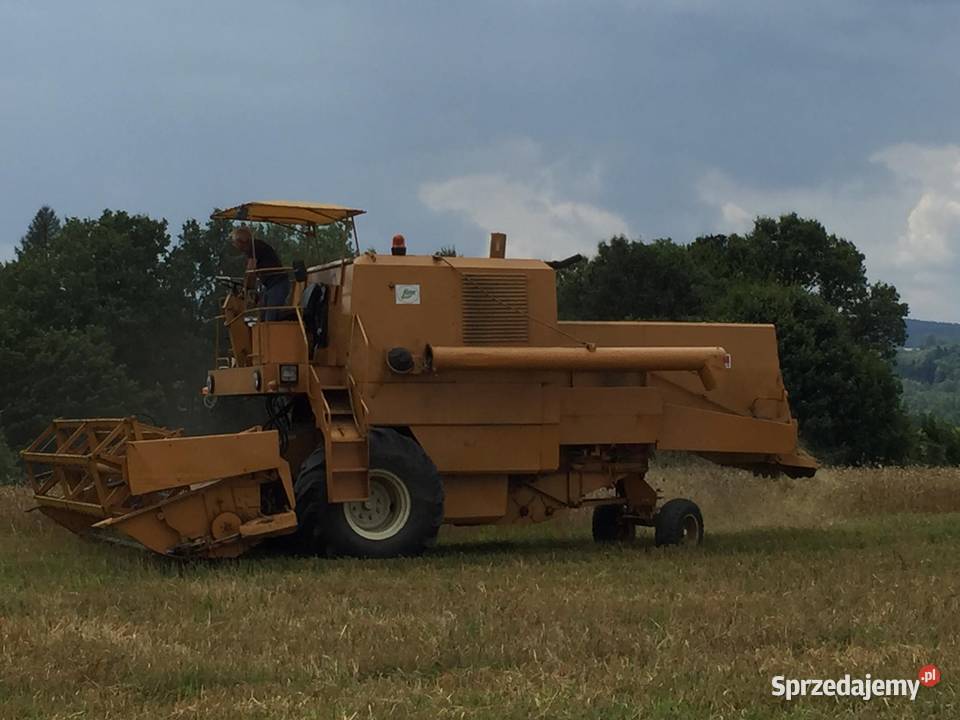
pixel 679 522
pixel 401 515
pixel 610 526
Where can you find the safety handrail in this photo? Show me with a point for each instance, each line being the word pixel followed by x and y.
pixel 327 413
pixel 257 311
pixel 358 360
pixel 363 332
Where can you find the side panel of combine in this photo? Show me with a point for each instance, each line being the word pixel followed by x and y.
pixel 745 420
pixel 459 417
pixel 512 378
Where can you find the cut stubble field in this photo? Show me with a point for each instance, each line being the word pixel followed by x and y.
pixel 854 571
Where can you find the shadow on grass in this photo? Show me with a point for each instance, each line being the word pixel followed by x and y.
pixel 538 545
pixel 857 535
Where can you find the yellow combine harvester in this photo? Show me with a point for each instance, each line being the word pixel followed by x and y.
pixel 411 391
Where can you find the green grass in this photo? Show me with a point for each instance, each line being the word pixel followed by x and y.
pixel 854 572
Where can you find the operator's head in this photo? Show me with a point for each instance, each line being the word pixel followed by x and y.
pixel 242 238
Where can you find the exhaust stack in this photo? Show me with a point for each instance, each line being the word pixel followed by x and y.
pixel 498 245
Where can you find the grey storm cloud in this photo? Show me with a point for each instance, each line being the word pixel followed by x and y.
pixel 558 123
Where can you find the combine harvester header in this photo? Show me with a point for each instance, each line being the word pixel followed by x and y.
pixel 151 485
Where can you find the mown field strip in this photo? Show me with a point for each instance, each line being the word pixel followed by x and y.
pixel 853 572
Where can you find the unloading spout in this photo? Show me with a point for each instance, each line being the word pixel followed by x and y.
pixel 705 361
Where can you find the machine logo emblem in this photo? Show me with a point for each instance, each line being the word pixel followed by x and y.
pixel 408 294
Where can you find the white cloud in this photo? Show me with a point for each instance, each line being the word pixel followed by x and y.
pixel 735 216
pixel 932 176
pixel 902 211
pixel 932 228
pixel 543 207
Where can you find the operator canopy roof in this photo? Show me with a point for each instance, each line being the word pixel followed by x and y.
pixel 287 212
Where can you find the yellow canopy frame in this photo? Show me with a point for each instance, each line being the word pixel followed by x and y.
pixel 284 212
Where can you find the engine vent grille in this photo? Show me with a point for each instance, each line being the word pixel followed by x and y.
pixel 494 309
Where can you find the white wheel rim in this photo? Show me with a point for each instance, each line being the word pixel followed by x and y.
pixel 384 513
pixel 691 530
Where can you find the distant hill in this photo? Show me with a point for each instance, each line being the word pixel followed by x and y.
pixel 919 331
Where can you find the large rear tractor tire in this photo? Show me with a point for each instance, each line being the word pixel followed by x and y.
pixel 401 516
pixel 609 525
pixel 678 522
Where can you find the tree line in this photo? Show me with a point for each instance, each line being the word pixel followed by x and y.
pixel 111 316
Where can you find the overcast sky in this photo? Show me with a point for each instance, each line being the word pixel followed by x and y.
pixel 558 123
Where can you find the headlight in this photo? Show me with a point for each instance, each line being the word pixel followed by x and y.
pixel 289 373
pixel 257 380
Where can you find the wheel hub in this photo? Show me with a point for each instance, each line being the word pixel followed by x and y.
pixel 385 511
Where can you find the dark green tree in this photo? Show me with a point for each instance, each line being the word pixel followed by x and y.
pixel 90 323
pixel 201 254
pixel 634 280
pixel 62 373
pixel 44 227
pixel 939 441
pixel 797 252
